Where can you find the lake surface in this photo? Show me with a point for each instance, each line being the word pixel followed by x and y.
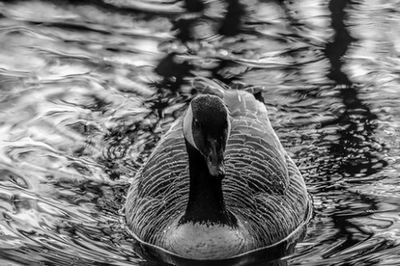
pixel 88 87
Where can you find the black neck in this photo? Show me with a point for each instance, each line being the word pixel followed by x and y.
pixel 206 201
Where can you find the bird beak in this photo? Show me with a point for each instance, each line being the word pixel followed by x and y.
pixel 215 159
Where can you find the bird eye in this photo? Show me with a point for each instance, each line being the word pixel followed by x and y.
pixel 196 123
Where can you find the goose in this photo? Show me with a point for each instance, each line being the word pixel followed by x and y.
pixel 219 185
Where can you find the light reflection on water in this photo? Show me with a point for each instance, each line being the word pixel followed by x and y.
pixel 88 87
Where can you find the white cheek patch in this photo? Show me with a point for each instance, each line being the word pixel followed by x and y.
pixel 187 127
pixel 229 130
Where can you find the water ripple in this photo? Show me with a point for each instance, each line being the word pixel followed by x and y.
pixel 87 88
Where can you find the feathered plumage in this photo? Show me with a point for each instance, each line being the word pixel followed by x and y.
pixel 262 187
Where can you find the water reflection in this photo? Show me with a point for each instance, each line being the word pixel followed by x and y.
pixel 172 72
pixel 356 120
pixel 88 88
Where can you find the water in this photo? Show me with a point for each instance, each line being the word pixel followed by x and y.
pixel 88 87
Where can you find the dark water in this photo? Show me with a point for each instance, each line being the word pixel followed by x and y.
pixel 88 87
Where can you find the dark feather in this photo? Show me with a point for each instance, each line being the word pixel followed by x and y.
pixel 263 188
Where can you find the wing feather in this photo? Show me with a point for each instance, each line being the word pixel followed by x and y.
pixel 263 187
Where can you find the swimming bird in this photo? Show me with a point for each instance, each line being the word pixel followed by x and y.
pixel 218 185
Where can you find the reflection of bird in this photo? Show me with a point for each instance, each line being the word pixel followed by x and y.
pixel 218 184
